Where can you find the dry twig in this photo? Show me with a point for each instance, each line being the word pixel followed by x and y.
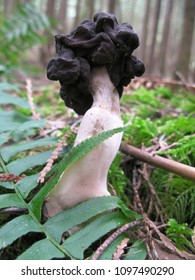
pixel 154 199
pixel 136 184
pixel 53 157
pixel 113 236
pixel 167 164
pixel 13 210
pixel 10 177
pixel 30 99
pixel 35 116
pixel 120 249
pixel 150 83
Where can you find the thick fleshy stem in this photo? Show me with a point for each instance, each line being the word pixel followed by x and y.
pixel 87 177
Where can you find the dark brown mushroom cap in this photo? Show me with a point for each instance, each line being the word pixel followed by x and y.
pixel 101 42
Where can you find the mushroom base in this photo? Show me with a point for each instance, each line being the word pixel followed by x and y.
pixel 87 177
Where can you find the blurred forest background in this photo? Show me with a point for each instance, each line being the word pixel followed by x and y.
pixel 34 126
pixel 165 27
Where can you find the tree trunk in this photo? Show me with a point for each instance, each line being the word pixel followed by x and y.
pixel 145 30
pixel 101 4
pixel 63 14
pixel 91 5
pixel 51 14
pixel 77 16
pixel 7 6
pixel 112 6
pixel 50 8
pixel 183 59
pixel 154 35
pixel 165 36
pixel 45 51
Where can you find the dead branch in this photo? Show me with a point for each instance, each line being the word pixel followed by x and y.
pixel 13 210
pixel 172 166
pixel 54 156
pixel 35 115
pixel 137 181
pixel 113 236
pixel 120 249
pixel 154 200
pixel 152 82
pixel 30 99
pixel 11 177
pixel 182 78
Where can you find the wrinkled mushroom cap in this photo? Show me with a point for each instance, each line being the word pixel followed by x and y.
pixel 101 42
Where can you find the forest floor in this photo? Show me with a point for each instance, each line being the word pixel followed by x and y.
pixel 161 119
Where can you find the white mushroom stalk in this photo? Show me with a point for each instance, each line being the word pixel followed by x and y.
pixel 87 177
pixel 93 64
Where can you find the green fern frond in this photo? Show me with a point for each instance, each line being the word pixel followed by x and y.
pixel 116 176
pixel 181 126
pixel 184 206
pixel 184 150
pixel 76 153
pixel 179 233
pixel 144 102
pixel 21 31
pixel 25 194
pixel 177 196
pixel 141 131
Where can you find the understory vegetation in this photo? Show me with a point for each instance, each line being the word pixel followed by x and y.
pixel 151 213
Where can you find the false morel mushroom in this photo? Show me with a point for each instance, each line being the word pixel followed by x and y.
pixel 93 64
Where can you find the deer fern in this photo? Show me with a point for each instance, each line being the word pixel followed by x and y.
pixel 27 196
pixel 20 32
pixel 24 153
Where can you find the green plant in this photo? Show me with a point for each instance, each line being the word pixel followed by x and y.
pixel 25 195
pixel 116 176
pixel 24 151
pixel 20 32
pixel 180 126
pixel 141 131
pixel 179 234
pixel 184 206
pixel 183 150
pixel 169 126
pixel 146 103
pixel 177 196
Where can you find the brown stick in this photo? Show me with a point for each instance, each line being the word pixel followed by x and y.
pixel 156 82
pixel 158 161
pixel 113 236
pixel 13 210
